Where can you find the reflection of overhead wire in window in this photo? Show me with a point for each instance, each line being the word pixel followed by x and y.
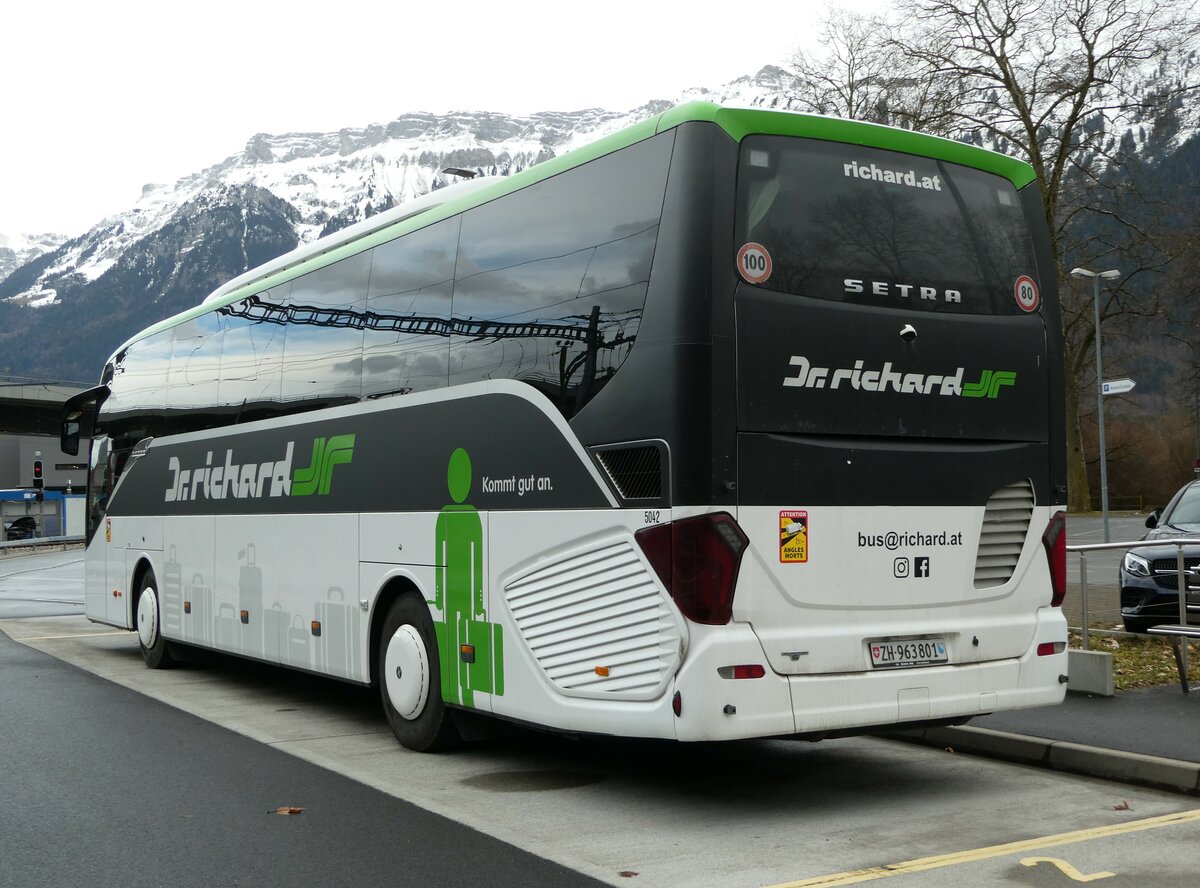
pixel 615 240
pixel 583 277
pixel 542 309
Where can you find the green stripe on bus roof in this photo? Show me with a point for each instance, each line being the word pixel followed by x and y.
pixel 742 122
pixel 736 122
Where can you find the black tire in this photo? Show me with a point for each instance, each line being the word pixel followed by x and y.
pixel 148 623
pixel 425 726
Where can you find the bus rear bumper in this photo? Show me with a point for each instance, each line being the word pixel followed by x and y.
pixel 776 705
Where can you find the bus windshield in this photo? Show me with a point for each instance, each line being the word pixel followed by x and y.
pixel 874 227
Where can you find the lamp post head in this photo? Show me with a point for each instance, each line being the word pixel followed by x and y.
pixel 1083 272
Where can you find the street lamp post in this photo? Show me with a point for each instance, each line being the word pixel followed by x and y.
pixel 1095 276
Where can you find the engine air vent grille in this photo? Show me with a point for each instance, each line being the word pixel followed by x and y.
pixel 1005 526
pixel 636 470
pixel 598 608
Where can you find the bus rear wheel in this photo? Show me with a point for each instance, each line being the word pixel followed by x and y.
pixel 410 678
pixel 147 616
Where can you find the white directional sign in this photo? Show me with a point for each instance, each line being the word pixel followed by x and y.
pixel 1117 386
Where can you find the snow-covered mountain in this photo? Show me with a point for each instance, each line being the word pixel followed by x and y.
pixel 17 249
pixel 180 241
pixel 335 179
pixel 80 298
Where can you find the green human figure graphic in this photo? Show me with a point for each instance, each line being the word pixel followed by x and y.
pixel 470 648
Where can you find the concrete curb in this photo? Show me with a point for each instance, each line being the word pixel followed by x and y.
pixel 1109 764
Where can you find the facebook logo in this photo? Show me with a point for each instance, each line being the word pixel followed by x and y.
pixel 921 567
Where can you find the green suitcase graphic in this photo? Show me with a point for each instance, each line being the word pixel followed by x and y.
pixel 470 648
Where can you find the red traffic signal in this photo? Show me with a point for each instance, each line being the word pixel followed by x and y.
pixel 37 473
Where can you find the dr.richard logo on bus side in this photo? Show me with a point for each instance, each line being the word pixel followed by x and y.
pixel 272 478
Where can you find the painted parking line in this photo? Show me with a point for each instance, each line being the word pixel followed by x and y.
pixel 72 635
pixel 942 860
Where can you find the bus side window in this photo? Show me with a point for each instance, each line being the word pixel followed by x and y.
pixel 407 346
pixel 551 280
pixel 322 347
pixel 252 354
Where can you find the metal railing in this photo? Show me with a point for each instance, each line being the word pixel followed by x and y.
pixel 15 547
pixel 1182 588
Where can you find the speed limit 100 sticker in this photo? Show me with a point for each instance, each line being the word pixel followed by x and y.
pixel 1026 293
pixel 754 263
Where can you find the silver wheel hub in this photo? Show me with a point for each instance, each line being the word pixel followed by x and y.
pixel 406 672
pixel 147 618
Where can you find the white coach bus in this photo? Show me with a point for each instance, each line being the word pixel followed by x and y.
pixel 735 423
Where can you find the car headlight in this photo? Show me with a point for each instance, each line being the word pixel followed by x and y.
pixel 1136 565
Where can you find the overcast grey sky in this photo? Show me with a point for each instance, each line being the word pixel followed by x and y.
pixel 101 98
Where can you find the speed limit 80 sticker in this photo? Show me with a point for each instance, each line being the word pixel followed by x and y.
pixel 754 263
pixel 1026 293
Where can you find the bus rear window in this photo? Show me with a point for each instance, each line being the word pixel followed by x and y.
pixel 872 227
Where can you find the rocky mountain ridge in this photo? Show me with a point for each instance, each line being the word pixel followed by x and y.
pixel 178 242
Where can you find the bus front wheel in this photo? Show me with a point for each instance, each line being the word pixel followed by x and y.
pixel 155 651
pixel 409 678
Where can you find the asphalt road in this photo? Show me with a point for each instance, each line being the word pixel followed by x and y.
pixel 41 585
pixel 105 784
pixel 126 791
pixel 106 788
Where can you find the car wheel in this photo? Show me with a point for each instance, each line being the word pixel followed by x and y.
pixel 147 616
pixel 410 679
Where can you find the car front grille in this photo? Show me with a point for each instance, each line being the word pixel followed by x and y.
pixel 1166 574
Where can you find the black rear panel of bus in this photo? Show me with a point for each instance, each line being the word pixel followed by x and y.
pixel 896 339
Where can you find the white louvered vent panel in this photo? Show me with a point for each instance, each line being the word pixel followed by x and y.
pixel 1005 527
pixel 598 608
pixel 546 605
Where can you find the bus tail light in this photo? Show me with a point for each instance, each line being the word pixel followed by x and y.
pixel 1055 541
pixel 755 670
pixel 697 559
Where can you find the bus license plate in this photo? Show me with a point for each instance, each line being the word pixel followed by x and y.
pixel 914 652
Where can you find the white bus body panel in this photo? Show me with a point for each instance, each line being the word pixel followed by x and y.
pixel 817 619
pixel 581 577
pixel 577 598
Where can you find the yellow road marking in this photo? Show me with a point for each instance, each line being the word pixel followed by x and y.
pixel 941 860
pixel 77 635
pixel 1066 868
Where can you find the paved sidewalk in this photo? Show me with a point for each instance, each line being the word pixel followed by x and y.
pixel 1150 737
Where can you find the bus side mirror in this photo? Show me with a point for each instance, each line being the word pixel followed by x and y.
pixel 69 439
pixel 76 410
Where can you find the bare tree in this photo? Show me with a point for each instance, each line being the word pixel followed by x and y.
pixel 1062 84
pixel 861 74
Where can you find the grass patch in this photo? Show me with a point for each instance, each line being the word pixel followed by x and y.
pixel 1143 661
